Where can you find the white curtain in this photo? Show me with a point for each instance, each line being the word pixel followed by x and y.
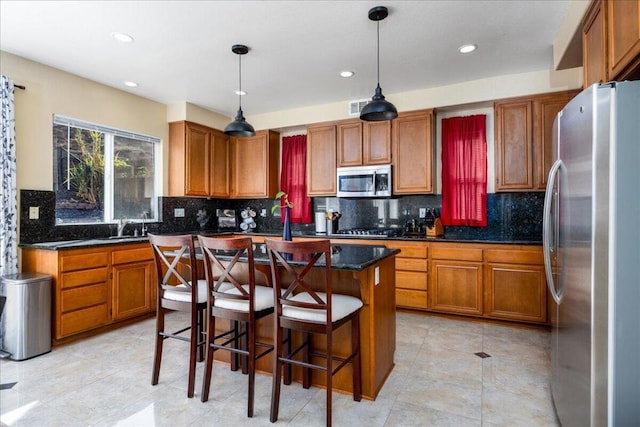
pixel 8 198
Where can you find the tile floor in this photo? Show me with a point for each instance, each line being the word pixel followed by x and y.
pixel 437 381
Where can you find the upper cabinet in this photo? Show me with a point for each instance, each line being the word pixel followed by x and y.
pixel 594 45
pixel 413 153
pixel 198 161
pixel 363 143
pixel 611 41
pixel 321 160
pixel 523 138
pixel 254 165
pixel 623 30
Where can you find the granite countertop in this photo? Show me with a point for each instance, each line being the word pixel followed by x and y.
pixel 343 257
pixel 97 242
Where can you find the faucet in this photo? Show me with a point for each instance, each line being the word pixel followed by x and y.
pixel 122 222
pixel 143 231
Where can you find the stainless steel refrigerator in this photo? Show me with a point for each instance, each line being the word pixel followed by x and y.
pixel 591 239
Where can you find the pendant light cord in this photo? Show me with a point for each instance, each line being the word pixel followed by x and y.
pixel 378 26
pixel 240 82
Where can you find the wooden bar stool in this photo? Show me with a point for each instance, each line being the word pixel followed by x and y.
pixel 234 295
pixel 310 308
pixel 178 289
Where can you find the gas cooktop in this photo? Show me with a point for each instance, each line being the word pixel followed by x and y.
pixel 385 232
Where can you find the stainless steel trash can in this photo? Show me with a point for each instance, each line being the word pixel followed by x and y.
pixel 26 321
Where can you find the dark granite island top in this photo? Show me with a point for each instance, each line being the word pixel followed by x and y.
pixel 343 256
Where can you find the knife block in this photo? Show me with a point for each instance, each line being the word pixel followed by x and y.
pixel 436 230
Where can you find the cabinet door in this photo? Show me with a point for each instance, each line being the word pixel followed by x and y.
pixel 197 155
pixel 413 155
pixel 132 289
pixel 254 165
pixel 376 143
pixel 219 170
pixel 624 36
pixel 321 160
pixel 516 292
pixel 545 111
pixel 456 287
pixel 594 43
pixel 350 144
pixel 514 146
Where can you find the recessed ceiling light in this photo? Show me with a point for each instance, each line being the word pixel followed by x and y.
pixel 346 73
pixel 467 48
pixel 240 92
pixel 122 37
pixel 131 84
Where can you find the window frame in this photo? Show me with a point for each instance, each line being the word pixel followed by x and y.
pixel 109 174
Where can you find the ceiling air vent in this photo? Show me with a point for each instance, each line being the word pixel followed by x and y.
pixel 356 106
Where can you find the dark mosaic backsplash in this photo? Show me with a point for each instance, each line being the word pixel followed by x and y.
pixel 511 216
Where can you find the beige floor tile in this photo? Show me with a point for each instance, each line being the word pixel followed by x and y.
pixel 437 381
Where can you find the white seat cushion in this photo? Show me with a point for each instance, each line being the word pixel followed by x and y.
pixel 263 299
pixel 183 294
pixel 341 306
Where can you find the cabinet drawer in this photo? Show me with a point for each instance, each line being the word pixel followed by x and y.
pixel 531 257
pixel 413 264
pixel 85 277
pixel 411 251
pixel 457 254
pixel 132 255
pixel 83 261
pixel 83 320
pixel 411 299
pixel 411 280
pixel 86 296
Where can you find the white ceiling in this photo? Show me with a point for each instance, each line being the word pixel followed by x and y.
pixel 182 49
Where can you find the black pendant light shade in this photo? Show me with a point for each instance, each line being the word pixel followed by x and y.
pixel 239 126
pixel 378 109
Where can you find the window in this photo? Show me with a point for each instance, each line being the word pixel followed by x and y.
pixel 102 174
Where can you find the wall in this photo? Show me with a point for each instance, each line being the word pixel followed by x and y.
pixel 50 91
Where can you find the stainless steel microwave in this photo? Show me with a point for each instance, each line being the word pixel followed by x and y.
pixel 364 181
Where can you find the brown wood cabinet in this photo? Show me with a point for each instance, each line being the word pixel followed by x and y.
pixel 411 273
pixel 254 165
pixel 133 273
pixel 198 161
pixel 623 41
pixel 363 143
pixel 456 279
pixel 611 41
pixel 91 292
pixel 413 151
pixel 523 137
pixel 515 285
pixel 594 45
pixel 321 160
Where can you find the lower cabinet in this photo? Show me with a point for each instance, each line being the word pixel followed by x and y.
pixel 95 287
pixel 133 282
pixel 456 280
pixel 515 286
pixel 411 274
pixel 497 281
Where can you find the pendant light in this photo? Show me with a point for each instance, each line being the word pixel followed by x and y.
pixel 239 126
pixel 378 109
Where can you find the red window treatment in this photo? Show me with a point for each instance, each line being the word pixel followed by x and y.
pixel 464 171
pixel 293 177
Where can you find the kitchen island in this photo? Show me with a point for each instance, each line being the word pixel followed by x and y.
pixel 363 271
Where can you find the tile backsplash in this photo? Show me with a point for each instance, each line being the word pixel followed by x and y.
pixel 511 216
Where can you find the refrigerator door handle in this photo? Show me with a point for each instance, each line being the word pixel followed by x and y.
pixel 549 246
